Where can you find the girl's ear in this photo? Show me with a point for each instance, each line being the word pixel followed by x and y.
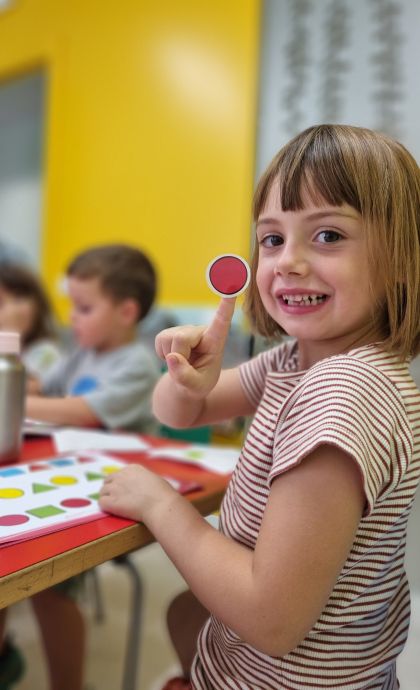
pixel 130 311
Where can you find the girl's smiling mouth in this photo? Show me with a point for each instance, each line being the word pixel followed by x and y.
pixel 303 299
pixel 295 301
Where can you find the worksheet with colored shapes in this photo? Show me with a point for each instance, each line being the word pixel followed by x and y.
pixel 218 459
pixel 51 494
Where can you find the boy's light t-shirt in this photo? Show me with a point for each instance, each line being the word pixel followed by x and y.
pixel 116 385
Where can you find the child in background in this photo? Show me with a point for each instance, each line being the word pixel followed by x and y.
pixel 25 308
pixel 107 381
pixel 305 582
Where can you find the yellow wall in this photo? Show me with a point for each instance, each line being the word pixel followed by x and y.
pixel 150 128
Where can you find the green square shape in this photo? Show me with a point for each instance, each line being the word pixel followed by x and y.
pixel 45 511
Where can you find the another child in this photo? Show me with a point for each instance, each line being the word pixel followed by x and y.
pixel 25 308
pixel 107 381
pixel 305 582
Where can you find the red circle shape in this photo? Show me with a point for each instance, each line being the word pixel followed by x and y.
pixel 75 502
pixel 10 520
pixel 228 275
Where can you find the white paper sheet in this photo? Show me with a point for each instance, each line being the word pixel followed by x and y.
pixel 51 493
pixel 33 427
pixel 217 459
pixel 72 440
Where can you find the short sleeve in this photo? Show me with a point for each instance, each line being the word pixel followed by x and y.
pixel 40 357
pixel 351 404
pixel 253 373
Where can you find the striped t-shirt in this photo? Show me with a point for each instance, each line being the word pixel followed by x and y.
pixel 366 403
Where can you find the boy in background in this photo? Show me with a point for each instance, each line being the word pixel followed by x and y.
pixel 107 381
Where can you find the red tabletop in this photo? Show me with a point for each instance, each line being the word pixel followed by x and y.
pixel 23 555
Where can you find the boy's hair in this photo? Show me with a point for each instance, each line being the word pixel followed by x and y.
pixel 378 177
pixel 124 272
pixel 21 282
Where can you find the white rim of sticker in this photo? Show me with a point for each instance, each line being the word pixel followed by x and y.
pixel 219 292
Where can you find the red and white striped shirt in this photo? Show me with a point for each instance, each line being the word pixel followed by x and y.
pixel 366 403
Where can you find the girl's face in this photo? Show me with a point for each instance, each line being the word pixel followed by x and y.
pixel 313 276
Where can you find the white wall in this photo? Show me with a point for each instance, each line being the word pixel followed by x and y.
pixel 350 61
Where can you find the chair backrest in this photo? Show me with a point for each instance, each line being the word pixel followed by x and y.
pixel 201 434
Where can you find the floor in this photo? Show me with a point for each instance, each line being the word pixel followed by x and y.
pixel 161 581
pixel 106 643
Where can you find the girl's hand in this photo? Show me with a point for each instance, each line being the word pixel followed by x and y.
pixel 193 354
pixel 134 492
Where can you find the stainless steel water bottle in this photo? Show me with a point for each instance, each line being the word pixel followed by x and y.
pixel 12 396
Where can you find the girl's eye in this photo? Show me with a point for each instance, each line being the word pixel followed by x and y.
pixel 329 236
pixel 271 241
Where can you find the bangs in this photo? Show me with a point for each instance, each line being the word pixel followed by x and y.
pixel 378 178
pixel 316 165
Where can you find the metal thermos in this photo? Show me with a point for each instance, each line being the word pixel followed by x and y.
pixel 12 396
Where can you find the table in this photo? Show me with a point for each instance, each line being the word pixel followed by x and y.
pixel 30 566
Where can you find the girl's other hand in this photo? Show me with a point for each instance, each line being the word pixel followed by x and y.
pixel 133 492
pixel 194 354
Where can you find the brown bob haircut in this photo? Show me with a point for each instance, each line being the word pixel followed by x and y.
pixel 19 281
pixel 378 177
pixel 123 272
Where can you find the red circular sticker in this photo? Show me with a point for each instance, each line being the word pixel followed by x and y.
pixel 228 275
pixel 75 502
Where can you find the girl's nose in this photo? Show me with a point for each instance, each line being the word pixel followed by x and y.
pixel 292 260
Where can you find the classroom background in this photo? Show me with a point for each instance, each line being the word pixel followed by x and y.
pixel 148 122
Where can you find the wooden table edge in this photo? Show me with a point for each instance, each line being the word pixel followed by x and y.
pixel 37 577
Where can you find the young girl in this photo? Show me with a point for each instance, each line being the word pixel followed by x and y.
pixel 25 308
pixel 305 581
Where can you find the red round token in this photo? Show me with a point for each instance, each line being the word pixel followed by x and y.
pixel 228 275
pixel 75 502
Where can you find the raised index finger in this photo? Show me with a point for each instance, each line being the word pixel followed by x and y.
pixel 218 329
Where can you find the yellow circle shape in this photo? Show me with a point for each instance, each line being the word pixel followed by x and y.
pixel 63 480
pixel 11 493
pixel 109 469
